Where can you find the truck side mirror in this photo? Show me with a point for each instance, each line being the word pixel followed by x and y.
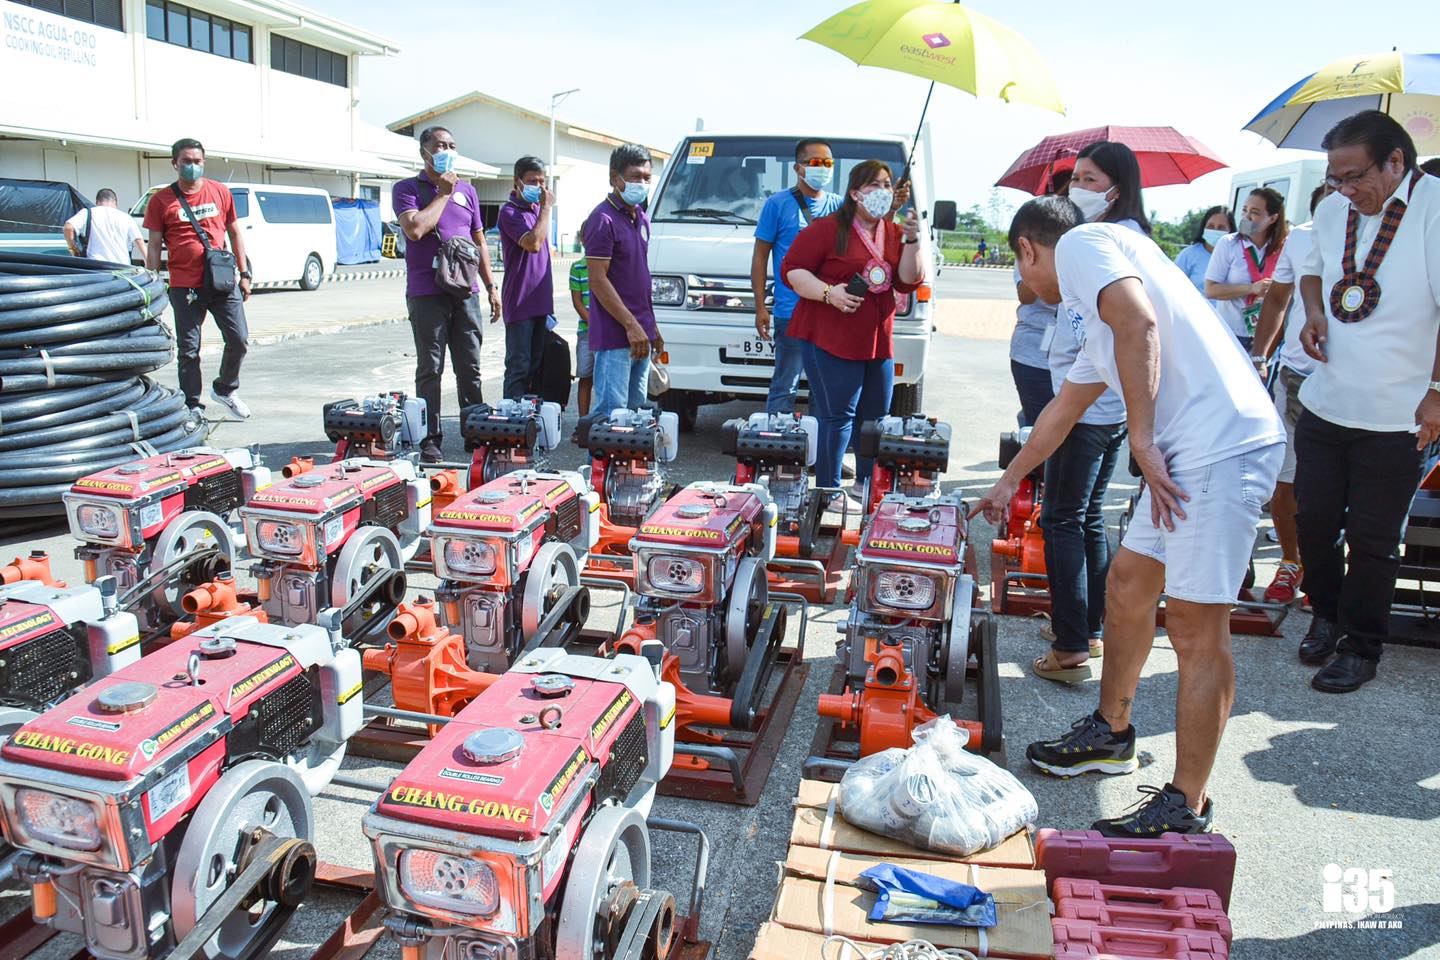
pixel 944 218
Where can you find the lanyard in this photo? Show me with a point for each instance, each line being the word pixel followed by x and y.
pixel 877 271
pixel 1357 293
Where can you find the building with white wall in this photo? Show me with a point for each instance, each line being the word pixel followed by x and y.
pixel 96 95
pixel 498 133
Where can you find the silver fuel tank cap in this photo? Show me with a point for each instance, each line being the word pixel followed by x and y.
pixel 493 745
pixel 127 697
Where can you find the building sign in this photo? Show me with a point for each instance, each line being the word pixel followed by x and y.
pixel 31 33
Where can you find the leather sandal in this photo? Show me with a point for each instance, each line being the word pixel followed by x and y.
pixel 1049 668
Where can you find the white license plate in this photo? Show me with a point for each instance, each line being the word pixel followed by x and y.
pixel 752 349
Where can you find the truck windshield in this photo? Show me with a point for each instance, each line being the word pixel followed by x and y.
pixel 726 179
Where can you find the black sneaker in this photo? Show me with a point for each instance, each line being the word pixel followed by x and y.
pixel 1160 811
pixel 430 451
pixel 1089 746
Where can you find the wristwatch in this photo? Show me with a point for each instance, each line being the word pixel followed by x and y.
pixel 245 275
pixel 489 288
pixel 1257 358
pixel 908 240
pixel 1435 385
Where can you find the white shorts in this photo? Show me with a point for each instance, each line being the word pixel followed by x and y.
pixel 1208 553
pixel 1286 391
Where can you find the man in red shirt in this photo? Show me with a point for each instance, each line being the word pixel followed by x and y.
pixel 167 221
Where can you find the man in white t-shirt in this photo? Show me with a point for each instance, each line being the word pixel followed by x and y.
pixel 1209 443
pixel 104 231
pixel 1371 289
pixel 1291 367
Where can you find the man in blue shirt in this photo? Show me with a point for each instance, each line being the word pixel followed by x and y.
pixel 784 215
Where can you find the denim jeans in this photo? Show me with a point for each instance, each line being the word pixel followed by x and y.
pixel 843 395
pixel 1077 549
pixel 620 381
pixel 524 349
pixel 1033 386
pixel 789 364
pixel 1353 487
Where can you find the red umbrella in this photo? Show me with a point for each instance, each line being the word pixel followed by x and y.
pixel 1166 156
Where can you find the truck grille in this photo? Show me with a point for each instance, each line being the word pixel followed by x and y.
pixel 389 507
pixel 219 493
pixel 628 757
pixel 36 673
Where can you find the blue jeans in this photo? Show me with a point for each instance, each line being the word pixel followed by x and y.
pixel 620 381
pixel 1033 386
pixel 843 395
pixel 524 349
pixel 1077 549
pixel 789 364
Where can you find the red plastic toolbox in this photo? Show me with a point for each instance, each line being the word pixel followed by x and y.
pixel 1173 898
pixel 1077 938
pixel 1133 917
pixel 1192 860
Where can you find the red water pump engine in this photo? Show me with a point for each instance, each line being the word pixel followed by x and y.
pixel 519 832
pixel 1023 543
pixel 627 448
pixel 140 800
pixel 163 525
pixel 378 426
pixel 507 555
pixel 910 453
pixel 511 435
pixel 778 450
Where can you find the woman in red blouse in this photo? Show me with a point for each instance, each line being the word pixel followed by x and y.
pixel 848 349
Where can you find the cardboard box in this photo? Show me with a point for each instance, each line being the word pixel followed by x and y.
pixel 1023 928
pixel 776 942
pixel 810 829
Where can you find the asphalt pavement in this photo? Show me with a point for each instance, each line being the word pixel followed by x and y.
pixel 1303 780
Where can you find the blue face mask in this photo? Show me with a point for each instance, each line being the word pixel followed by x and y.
pixel 635 193
pixel 1213 237
pixel 530 193
pixel 191 172
pixel 818 177
pixel 443 160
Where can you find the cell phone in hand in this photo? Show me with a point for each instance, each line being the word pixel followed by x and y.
pixel 857 286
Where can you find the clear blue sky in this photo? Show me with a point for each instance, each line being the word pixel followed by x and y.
pixel 648 68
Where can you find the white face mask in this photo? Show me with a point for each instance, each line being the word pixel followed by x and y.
pixel 1213 237
pixel 1092 203
pixel 877 202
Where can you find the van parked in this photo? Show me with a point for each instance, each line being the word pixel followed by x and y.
pixel 289 231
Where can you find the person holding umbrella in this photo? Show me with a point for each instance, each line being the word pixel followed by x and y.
pixel 1240 269
pixel 847 269
pixel 1195 259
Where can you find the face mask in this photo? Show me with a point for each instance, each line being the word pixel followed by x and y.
pixel 877 202
pixel 1248 227
pixel 531 193
pixel 634 193
pixel 443 160
pixel 192 171
pixel 818 177
pixel 1092 203
pixel 1212 237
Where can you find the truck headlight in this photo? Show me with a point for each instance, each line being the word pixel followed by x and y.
pixel 447 882
pixel 100 522
pixel 281 538
pixel 469 557
pixel 54 818
pixel 672 574
pixel 905 590
pixel 667 291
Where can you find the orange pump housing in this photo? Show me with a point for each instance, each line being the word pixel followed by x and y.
pixel 426 664
pixel 1025 541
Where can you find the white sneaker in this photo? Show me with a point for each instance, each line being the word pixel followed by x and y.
pixel 232 402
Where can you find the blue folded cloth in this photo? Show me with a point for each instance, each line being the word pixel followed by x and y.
pixel 908 896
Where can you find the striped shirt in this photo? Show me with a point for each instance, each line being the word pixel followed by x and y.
pixel 580 283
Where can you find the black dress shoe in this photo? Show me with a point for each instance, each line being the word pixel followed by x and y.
pixel 1319 643
pixel 1344 674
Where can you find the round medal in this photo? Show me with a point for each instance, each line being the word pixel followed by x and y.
pixel 878 274
pixel 1352 298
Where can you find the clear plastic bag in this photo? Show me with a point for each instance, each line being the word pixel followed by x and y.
pixel 936 795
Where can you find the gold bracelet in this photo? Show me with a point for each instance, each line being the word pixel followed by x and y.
pixel 825 297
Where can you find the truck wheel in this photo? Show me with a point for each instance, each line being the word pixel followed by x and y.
pixel 680 403
pixel 905 398
pixel 314 273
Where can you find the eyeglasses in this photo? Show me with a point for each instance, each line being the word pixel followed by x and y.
pixel 820 162
pixel 1340 183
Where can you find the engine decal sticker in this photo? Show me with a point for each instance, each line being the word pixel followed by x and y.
pixel 380 479
pixel 349 695
pixel 208 465
pixel 93 724
pixel 563 779
pixel 531 510
pixel 153 745
pixel 488 779
pixel 698 533
pixel 93 484
pixel 260 676
pixel 160 481
pixel 29 623
pixel 671 715
pixel 281 498
pixel 125 644
pixel 455 803
pixel 900 546
pixel 474 515
pixel 611 714
pixel 66 746
pixel 169 793
pixel 734 525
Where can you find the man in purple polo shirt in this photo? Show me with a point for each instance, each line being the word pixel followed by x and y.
pixel 622 322
pixel 526 293
pixel 434 207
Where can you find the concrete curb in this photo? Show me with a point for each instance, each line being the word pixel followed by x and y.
pixel 378 273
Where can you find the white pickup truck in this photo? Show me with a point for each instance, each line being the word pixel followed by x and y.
pixel 703 220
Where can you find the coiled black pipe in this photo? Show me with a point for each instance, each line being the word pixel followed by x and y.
pixel 77 338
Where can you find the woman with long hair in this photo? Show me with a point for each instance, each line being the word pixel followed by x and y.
pixel 1195 259
pixel 1240 269
pixel 848 269
pixel 1105 185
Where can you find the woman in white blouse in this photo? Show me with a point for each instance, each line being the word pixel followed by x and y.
pixel 1240 268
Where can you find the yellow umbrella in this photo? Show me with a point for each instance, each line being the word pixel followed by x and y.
pixel 943 43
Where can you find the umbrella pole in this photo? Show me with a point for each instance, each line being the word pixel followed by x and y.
pixel 918 127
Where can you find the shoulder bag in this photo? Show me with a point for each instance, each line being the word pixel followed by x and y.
pixel 221 273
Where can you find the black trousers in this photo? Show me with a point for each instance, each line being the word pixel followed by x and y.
pixel 1354 488
pixel 440 321
pixel 189 317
